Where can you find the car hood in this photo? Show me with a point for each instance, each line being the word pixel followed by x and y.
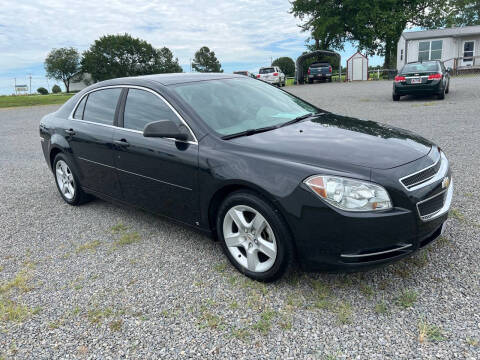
pixel 329 140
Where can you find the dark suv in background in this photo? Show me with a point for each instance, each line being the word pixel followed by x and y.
pixel 422 78
pixel 319 71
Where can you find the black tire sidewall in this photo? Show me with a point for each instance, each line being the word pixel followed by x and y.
pixel 78 191
pixel 282 235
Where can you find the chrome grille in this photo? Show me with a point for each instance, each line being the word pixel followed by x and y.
pixel 421 176
pixel 431 206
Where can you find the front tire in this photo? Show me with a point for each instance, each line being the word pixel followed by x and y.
pixel 67 181
pixel 254 236
pixel 396 97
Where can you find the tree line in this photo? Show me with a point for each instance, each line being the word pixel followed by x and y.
pixel 376 26
pixel 114 56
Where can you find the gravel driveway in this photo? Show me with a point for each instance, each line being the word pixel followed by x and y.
pixel 104 281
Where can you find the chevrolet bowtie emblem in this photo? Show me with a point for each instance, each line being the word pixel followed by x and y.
pixel 445 182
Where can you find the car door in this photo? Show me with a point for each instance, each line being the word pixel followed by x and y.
pixel 156 174
pixel 90 135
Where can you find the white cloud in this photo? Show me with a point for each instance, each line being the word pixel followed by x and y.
pixel 244 31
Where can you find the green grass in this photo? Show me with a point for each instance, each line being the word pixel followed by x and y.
pixel 11 311
pixel 381 308
pixel 19 282
pixel 407 298
pixel 116 325
pixel 265 323
pixel 96 315
pixel 429 332
pixel 88 246
pixel 127 239
pixel 33 100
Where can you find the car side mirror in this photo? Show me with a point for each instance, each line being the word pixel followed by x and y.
pixel 164 129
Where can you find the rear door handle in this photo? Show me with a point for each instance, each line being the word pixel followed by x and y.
pixel 121 142
pixel 70 132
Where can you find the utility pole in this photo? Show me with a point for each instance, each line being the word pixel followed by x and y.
pixel 15 85
pixel 30 76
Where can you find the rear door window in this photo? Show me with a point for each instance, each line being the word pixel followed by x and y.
pixel 101 105
pixel 143 107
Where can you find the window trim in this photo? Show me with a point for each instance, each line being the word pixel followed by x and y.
pixel 122 101
pixel 429 50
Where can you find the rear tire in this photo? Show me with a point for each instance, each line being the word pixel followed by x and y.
pixel 396 97
pixel 448 88
pixel 67 181
pixel 441 96
pixel 260 247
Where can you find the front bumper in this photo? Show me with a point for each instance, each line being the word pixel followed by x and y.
pixel 329 239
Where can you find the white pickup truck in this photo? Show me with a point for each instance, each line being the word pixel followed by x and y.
pixel 272 75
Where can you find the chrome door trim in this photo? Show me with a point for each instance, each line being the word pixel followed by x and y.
pixel 182 120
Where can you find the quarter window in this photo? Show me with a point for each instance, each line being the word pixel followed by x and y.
pixel 143 107
pixel 79 112
pixel 430 50
pixel 101 106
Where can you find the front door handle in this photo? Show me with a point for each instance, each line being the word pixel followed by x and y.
pixel 70 132
pixel 121 142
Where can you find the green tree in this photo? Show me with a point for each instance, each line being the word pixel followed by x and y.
pixel 114 56
pixel 56 89
pixel 324 21
pixel 464 13
pixel 206 61
pixel 286 64
pixel 62 64
pixel 42 91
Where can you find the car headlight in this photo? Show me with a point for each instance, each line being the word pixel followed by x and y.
pixel 348 194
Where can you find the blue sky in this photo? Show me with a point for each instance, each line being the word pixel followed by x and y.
pixel 245 34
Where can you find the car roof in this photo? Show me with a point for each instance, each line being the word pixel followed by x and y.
pixel 169 79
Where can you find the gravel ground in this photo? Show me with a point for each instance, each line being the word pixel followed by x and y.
pixel 103 281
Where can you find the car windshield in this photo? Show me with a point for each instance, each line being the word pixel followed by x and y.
pixel 267 70
pixel 233 106
pixel 420 67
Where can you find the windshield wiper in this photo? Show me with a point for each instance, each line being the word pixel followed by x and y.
pixel 300 118
pixel 249 132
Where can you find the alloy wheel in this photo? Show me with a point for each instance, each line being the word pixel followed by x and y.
pixel 65 180
pixel 249 238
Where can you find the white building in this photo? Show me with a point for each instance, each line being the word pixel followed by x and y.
pixel 458 48
pixel 357 67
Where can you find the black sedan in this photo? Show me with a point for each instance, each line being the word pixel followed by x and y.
pixel 273 178
pixel 422 78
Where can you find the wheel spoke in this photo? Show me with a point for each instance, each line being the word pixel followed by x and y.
pixel 70 188
pixel 267 248
pixel 239 218
pixel 258 223
pixel 252 260
pixel 234 240
pixel 59 171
